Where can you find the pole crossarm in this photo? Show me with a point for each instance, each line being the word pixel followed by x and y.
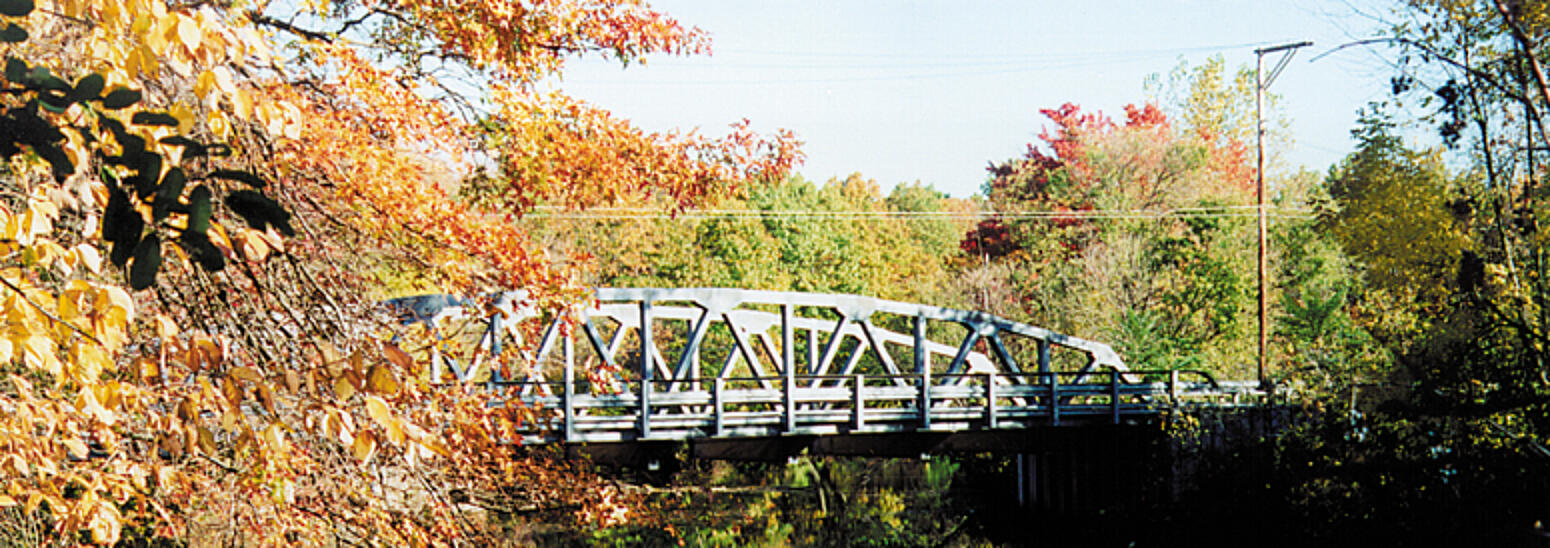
pixel 680 363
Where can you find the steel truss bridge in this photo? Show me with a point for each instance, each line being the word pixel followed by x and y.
pixel 645 364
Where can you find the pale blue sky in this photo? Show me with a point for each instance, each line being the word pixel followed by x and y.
pixel 934 90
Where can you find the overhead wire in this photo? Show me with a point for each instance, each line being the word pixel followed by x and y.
pixel 895 54
pixel 601 214
pixel 983 65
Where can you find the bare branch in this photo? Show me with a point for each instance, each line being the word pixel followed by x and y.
pixel 265 20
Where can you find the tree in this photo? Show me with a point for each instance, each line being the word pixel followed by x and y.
pixel 784 235
pixel 1128 233
pixel 1450 258
pixel 242 388
pixel 1396 217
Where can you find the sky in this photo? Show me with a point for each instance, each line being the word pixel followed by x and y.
pixel 933 91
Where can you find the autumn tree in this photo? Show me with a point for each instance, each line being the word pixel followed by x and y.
pixel 202 196
pixel 1129 232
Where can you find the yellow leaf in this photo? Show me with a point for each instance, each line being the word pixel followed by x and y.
pixel 206 440
pixel 120 298
pixel 105 524
pixel 218 124
pixel 364 447
pixel 90 362
pixel 87 401
pixel 165 328
pixel 436 447
pixel 266 398
pixel 217 235
pixel 149 370
pixel 223 80
pixel 76 448
pixel 242 105
pixel 381 380
pixel 149 63
pixel 188 32
pixel 330 354
pixel 378 410
pixel 344 389
pixel 88 255
pixel 185 116
pixel 275 437
pixel 231 392
pixel 205 84
pixel 247 374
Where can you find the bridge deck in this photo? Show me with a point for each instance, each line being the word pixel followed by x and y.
pixel 861 404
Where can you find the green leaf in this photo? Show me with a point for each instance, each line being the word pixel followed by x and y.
pixel 199 209
pixel 54 103
pixel 239 176
pixel 44 77
pixel 116 218
pixel 56 158
pixel 123 250
pixel 121 224
pixel 167 192
pixel 196 149
pixel 120 97
pixel 149 175
pixel 147 255
pixel 16 70
pixel 191 148
pixel 260 211
pixel 88 88
pixel 133 149
pixel 154 119
pixel 16 8
pixel 112 126
pixel 13 33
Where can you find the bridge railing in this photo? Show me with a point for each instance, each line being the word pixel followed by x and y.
pixel 677 363
pixel 860 403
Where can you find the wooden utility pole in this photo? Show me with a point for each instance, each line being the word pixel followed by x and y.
pixel 1260 83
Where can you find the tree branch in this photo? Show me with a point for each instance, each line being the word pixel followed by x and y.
pixel 45 312
pixel 1477 74
pixel 1527 47
pixel 265 20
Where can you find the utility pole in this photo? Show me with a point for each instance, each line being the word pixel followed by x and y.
pixel 1260 83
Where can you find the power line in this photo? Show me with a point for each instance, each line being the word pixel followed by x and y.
pixel 828 54
pixel 1011 64
pixel 1219 212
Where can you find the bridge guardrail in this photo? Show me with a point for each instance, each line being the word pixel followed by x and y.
pixel 860 403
